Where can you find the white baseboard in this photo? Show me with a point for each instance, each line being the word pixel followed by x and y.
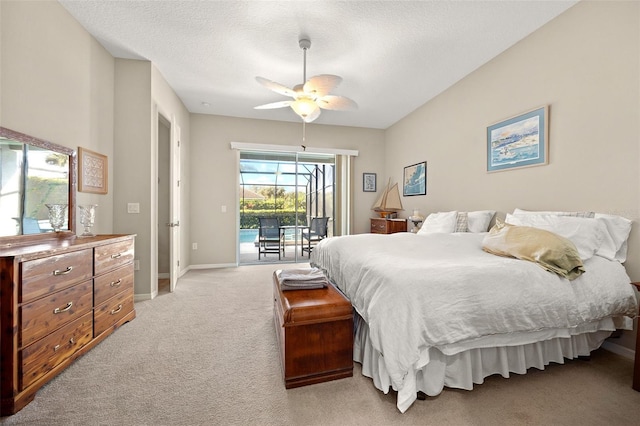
pixel 618 349
pixel 163 275
pixel 142 297
pixel 213 266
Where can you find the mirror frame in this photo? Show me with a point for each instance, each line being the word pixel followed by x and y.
pixel 73 181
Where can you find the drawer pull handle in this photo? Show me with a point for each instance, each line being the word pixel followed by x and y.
pixel 65 309
pixel 116 283
pixel 71 342
pixel 65 272
pixel 115 256
pixel 115 311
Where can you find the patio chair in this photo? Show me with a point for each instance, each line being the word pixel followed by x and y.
pixel 270 237
pixel 316 231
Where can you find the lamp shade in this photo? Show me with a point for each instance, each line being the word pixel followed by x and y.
pixel 306 108
pixel 416 216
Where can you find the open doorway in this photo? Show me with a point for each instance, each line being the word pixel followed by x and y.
pixel 164 205
pixel 294 190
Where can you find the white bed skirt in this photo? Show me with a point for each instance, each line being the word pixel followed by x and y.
pixel 461 370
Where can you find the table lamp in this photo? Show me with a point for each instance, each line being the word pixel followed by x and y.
pixel 416 218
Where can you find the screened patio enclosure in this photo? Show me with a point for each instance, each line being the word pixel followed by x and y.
pixel 292 187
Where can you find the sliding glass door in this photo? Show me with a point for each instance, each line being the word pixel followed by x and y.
pixel 295 189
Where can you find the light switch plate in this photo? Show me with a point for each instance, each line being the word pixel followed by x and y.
pixel 133 207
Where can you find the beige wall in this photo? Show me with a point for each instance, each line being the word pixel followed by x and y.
pixel 214 174
pixel 57 84
pixel 141 93
pixel 133 158
pixel 585 66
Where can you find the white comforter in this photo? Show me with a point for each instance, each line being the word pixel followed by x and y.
pixel 421 291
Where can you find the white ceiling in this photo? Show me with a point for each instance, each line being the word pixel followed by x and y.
pixel 394 56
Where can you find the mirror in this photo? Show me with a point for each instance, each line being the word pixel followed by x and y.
pixel 36 178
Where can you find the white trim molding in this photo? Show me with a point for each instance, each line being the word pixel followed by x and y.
pixel 244 146
pixel 619 349
pixel 213 266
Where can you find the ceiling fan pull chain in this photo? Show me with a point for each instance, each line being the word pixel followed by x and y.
pixel 304 134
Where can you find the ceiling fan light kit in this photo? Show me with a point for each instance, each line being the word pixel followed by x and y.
pixel 312 95
pixel 306 108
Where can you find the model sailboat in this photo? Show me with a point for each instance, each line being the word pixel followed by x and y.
pixel 389 201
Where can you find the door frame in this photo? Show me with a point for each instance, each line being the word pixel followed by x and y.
pixel 342 194
pixel 175 205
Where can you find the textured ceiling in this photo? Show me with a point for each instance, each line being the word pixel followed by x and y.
pixel 393 56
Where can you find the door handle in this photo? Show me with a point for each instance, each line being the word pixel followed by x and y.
pixel 172 225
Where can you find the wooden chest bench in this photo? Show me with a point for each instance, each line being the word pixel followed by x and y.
pixel 315 334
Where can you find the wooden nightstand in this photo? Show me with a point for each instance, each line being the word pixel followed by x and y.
pixel 380 225
pixel 636 364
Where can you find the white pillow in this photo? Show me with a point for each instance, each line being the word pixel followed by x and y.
pixel 479 221
pixel 587 234
pixel 441 222
pixel 618 229
pixel 518 212
pixel 614 243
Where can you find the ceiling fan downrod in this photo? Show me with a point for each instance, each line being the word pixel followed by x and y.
pixel 304 44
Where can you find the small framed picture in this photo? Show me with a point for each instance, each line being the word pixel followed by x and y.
pixel 415 179
pixel 369 182
pixel 93 171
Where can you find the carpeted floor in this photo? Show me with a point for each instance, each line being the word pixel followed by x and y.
pixel 206 355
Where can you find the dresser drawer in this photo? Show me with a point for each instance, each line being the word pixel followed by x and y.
pixel 52 273
pixel 42 316
pixel 46 353
pixel 388 226
pixel 378 226
pixel 111 256
pixel 112 311
pixel 108 285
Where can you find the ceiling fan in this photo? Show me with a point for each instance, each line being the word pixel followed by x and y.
pixel 312 95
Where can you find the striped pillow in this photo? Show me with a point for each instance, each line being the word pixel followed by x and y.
pixel 462 222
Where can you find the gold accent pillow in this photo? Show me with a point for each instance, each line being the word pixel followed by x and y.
pixel 551 251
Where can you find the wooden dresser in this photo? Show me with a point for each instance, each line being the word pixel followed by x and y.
pixel 380 225
pixel 58 299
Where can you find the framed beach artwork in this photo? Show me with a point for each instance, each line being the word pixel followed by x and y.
pixel 415 179
pixel 520 141
pixel 369 182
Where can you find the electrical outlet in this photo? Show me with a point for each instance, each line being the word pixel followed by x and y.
pixel 194 246
pixel 223 209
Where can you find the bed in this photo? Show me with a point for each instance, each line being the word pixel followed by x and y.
pixel 434 309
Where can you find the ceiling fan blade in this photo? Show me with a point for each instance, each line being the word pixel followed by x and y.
pixel 276 87
pixel 336 103
pixel 274 105
pixel 321 85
